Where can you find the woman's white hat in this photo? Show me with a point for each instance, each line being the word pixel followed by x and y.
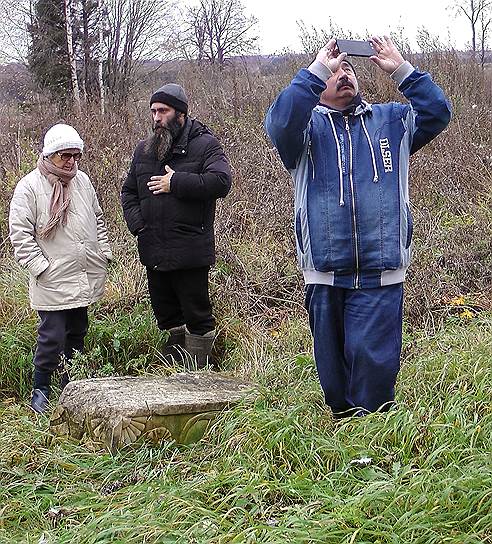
pixel 61 137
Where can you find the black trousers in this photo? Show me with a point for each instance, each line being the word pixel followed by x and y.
pixel 180 297
pixel 60 332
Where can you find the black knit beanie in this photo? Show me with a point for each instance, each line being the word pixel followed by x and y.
pixel 172 95
pixel 351 65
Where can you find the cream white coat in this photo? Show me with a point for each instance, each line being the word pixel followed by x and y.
pixel 69 269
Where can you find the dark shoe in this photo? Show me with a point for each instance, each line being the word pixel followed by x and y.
pixel 173 351
pixel 198 349
pixel 39 400
pixel 351 412
pixel 64 379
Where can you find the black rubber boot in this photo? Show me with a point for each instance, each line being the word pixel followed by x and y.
pixel 173 351
pixel 41 390
pixel 198 350
pixel 40 400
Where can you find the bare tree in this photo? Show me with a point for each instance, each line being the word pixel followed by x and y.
pixel 14 36
pixel 100 54
pixel 313 39
pixel 91 50
pixel 215 30
pixel 195 35
pixel 479 14
pixel 134 30
pixel 106 41
pixel 71 56
pixel 86 48
pixel 484 30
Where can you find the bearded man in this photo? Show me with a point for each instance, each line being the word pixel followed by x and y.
pixel 169 200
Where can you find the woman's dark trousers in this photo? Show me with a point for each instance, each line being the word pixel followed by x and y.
pixel 60 333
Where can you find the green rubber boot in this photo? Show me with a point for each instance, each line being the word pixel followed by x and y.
pixel 198 350
pixel 173 351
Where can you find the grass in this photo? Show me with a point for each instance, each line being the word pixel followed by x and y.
pixel 278 469
pixel 118 342
pixel 123 337
pixel 281 468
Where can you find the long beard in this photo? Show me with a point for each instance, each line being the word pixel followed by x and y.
pixel 159 144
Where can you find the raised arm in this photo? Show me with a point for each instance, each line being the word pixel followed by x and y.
pixel 430 110
pixel 288 117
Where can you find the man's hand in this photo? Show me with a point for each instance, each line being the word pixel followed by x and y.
pixel 330 56
pixel 161 184
pixel 388 57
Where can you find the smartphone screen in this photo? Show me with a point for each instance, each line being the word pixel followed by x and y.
pixel 356 48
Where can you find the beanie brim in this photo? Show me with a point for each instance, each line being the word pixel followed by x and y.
pixel 169 100
pixel 59 146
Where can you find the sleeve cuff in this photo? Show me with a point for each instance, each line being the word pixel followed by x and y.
pixel 402 72
pixel 319 69
pixel 172 183
pixel 176 183
pixel 106 251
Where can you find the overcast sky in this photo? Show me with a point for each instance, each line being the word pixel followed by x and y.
pixel 278 28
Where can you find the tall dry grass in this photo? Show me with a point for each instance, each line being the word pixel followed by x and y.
pixel 256 278
pixel 279 467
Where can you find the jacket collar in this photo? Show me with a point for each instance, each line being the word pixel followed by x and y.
pixel 181 145
pixel 363 107
pixel 190 130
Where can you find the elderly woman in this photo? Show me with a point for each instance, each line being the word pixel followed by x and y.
pixel 58 233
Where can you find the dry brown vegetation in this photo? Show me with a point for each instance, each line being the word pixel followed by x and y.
pixel 280 467
pixel 255 280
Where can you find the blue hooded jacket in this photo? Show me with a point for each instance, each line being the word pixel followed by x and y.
pixel 352 218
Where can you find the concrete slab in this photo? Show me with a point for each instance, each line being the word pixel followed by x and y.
pixel 122 410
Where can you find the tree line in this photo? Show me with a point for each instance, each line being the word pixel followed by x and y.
pixel 93 49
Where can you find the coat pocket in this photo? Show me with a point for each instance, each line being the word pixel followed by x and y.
pixel 47 272
pixel 147 246
pixel 46 276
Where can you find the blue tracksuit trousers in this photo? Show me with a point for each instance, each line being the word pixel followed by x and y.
pixel 357 344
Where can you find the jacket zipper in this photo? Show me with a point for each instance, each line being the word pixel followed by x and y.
pixel 354 221
pixel 311 157
pixel 339 153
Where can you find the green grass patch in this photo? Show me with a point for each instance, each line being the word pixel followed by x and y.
pixel 281 468
pixel 117 343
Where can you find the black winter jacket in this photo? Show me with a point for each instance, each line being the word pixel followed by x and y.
pixel 175 230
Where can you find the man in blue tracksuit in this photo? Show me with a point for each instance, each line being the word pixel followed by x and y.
pixel 349 161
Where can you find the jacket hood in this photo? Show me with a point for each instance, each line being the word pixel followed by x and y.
pixel 363 107
pixel 191 129
pixel 360 110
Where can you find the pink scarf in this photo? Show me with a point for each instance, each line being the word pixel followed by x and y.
pixel 60 198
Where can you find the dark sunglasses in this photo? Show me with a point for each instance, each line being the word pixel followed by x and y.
pixel 68 156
